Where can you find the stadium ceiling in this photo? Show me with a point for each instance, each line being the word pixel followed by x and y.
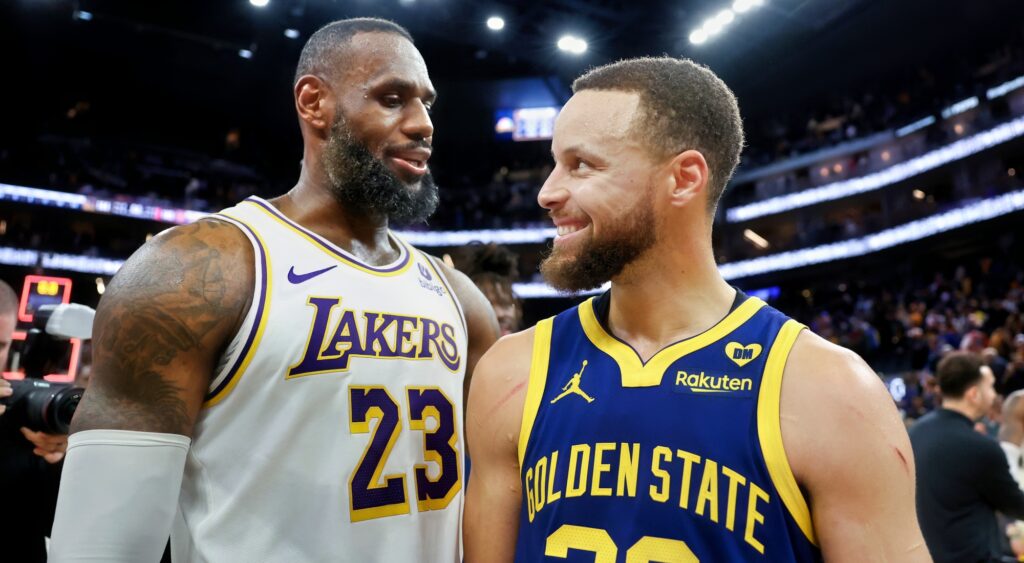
pixel 161 57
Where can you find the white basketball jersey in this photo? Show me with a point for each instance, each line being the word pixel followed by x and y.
pixel 333 430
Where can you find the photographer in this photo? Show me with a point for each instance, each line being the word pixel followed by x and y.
pixel 29 465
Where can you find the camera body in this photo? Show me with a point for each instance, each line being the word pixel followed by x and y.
pixel 41 405
pixel 38 404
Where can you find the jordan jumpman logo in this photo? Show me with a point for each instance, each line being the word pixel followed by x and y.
pixel 574 386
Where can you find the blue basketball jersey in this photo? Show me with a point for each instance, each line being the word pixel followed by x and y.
pixel 676 459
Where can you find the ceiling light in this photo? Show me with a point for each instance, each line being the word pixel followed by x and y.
pixel 291 33
pixel 918 194
pixel 755 239
pixel 245 53
pixel 699 36
pixel 572 44
pixel 82 15
pixel 741 6
pixel 259 3
pixel 494 23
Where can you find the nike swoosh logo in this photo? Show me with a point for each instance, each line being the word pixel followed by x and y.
pixel 299 278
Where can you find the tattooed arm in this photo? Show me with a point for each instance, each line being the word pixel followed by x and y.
pixel 160 327
pixel 159 330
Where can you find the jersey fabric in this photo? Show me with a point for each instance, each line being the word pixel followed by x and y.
pixel 332 430
pixel 676 459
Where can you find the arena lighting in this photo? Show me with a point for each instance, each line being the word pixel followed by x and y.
pixel 495 23
pixel 259 3
pixel 245 53
pixel 919 194
pixel 896 173
pixel 908 232
pixel 1004 88
pixel 755 239
pixel 572 44
pixel 291 33
pixel 915 126
pixel 82 15
pixel 960 107
pixel 698 36
pixel 741 6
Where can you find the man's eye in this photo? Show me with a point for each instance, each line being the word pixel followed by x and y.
pixel 583 165
pixel 391 100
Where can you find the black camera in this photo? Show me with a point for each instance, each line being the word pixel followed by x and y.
pixel 41 405
pixel 38 404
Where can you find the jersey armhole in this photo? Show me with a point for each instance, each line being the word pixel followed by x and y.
pixel 769 430
pixel 245 342
pixel 535 384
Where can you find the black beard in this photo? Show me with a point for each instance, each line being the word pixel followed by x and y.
pixel 362 182
pixel 598 261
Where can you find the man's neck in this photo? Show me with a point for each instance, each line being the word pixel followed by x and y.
pixel 311 205
pixel 668 295
pixel 962 408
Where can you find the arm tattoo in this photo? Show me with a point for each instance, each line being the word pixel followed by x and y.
pixel 167 315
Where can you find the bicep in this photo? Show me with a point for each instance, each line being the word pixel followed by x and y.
pixel 160 327
pixel 851 454
pixel 494 493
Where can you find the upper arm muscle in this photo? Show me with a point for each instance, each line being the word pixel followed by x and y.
pixel 850 452
pixel 160 327
pixel 495 414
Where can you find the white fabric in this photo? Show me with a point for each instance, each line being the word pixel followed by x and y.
pixel 117 496
pixel 269 474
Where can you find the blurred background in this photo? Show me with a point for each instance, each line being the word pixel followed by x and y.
pixel 879 199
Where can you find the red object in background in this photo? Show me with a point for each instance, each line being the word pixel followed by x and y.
pixel 36 292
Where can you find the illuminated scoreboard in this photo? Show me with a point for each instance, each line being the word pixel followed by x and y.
pixel 36 292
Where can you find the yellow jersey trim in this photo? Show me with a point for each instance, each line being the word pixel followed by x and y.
pixel 398 267
pixel 535 385
pixel 636 373
pixel 262 314
pixel 769 430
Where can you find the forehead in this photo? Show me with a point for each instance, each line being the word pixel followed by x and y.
pixel 374 56
pixel 596 117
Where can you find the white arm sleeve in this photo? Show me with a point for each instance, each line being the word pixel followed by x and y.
pixel 118 495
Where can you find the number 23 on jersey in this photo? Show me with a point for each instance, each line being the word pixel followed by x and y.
pixel 373 495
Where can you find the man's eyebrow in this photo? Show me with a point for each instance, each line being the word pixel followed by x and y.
pixel 406 86
pixel 577 149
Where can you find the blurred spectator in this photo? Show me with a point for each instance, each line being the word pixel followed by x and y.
pixel 1011 435
pixel 962 476
pixel 493 268
pixel 30 480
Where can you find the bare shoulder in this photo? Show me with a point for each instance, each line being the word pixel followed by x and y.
pixel 160 326
pixel 835 407
pixel 498 390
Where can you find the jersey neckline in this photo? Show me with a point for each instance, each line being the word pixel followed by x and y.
pixel 398 266
pixel 637 373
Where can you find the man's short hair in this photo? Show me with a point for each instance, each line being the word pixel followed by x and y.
pixel 684 106
pixel 8 300
pixel 957 372
pixel 323 52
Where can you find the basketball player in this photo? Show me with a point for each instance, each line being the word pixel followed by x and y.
pixel 706 426
pixel 284 380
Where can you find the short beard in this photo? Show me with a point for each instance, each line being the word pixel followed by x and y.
pixel 598 261
pixel 362 183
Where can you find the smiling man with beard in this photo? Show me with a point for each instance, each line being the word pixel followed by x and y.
pixel 270 383
pixel 673 418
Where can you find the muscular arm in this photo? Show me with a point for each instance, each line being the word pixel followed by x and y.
pixel 850 453
pixel 494 493
pixel 160 327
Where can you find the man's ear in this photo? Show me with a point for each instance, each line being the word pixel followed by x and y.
pixel 690 174
pixel 313 103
